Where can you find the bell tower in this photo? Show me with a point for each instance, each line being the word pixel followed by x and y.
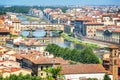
pixel 114 61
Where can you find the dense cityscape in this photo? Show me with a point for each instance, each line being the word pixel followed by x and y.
pixel 59 42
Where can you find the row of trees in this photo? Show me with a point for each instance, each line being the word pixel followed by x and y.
pixel 24 9
pixel 21 77
pixel 2 13
pixel 16 9
pixel 84 56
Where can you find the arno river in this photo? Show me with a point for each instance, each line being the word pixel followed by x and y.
pixel 53 39
pixel 41 33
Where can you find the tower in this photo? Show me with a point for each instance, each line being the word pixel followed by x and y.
pixel 114 61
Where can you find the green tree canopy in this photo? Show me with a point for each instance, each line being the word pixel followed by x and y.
pixel 106 77
pixel 88 56
pixel 21 77
pixel 53 72
pixel 84 56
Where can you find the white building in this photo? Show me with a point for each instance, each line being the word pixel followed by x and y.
pixel 83 71
pixel 36 12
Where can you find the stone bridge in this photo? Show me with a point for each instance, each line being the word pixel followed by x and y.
pixel 46 27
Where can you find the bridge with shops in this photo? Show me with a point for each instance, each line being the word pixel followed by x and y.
pixel 46 27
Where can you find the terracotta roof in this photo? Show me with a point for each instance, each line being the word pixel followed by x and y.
pixel 18 56
pixel 84 19
pixel 1 54
pixel 101 28
pixel 94 23
pixel 109 72
pixel 82 69
pixel 40 59
pixel 16 20
pixel 114 28
pixel 1 22
pixel 117 30
pixel 4 30
pixel 13 69
pixel 113 47
pixel 108 15
pixel 62 61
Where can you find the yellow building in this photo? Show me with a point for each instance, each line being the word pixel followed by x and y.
pixel 114 61
pixel 90 28
pixel 16 24
pixel 4 34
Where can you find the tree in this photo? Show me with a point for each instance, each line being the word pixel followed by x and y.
pixel 53 72
pixel 84 56
pixel 1 76
pixel 88 56
pixel 22 77
pixel 106 77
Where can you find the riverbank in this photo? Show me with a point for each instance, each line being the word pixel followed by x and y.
pixel 31 18
pixel 77 41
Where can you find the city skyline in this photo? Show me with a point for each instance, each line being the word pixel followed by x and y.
pixel 59 2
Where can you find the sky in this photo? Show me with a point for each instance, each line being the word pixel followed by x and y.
pixel 59 2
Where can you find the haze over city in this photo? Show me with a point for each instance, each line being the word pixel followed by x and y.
pixel 59 2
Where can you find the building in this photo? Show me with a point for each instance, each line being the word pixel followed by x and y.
pixel 4 35
pixel 6 72
pixel 90 28
pixel 7 55
pixel 83 71
pixel 37 61
pixel 16 23
pixel 117 21
pixel 36 13
pixel 114 61
pixel 108 34
pixel 108 19
pixel 8 64
pixel 68 29
pixel 79 25
pixel 32 44
pixel 111 62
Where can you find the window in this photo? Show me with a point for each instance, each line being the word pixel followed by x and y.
pixel 46 66
pixel 115 53
pixel 115 62
pixel 41 67
pixel 41 74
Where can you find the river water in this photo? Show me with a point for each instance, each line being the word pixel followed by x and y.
pixel 53 39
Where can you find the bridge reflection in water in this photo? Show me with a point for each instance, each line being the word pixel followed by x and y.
pixel 38 33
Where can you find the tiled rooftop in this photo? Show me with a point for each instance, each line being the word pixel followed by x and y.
pixel 82 69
